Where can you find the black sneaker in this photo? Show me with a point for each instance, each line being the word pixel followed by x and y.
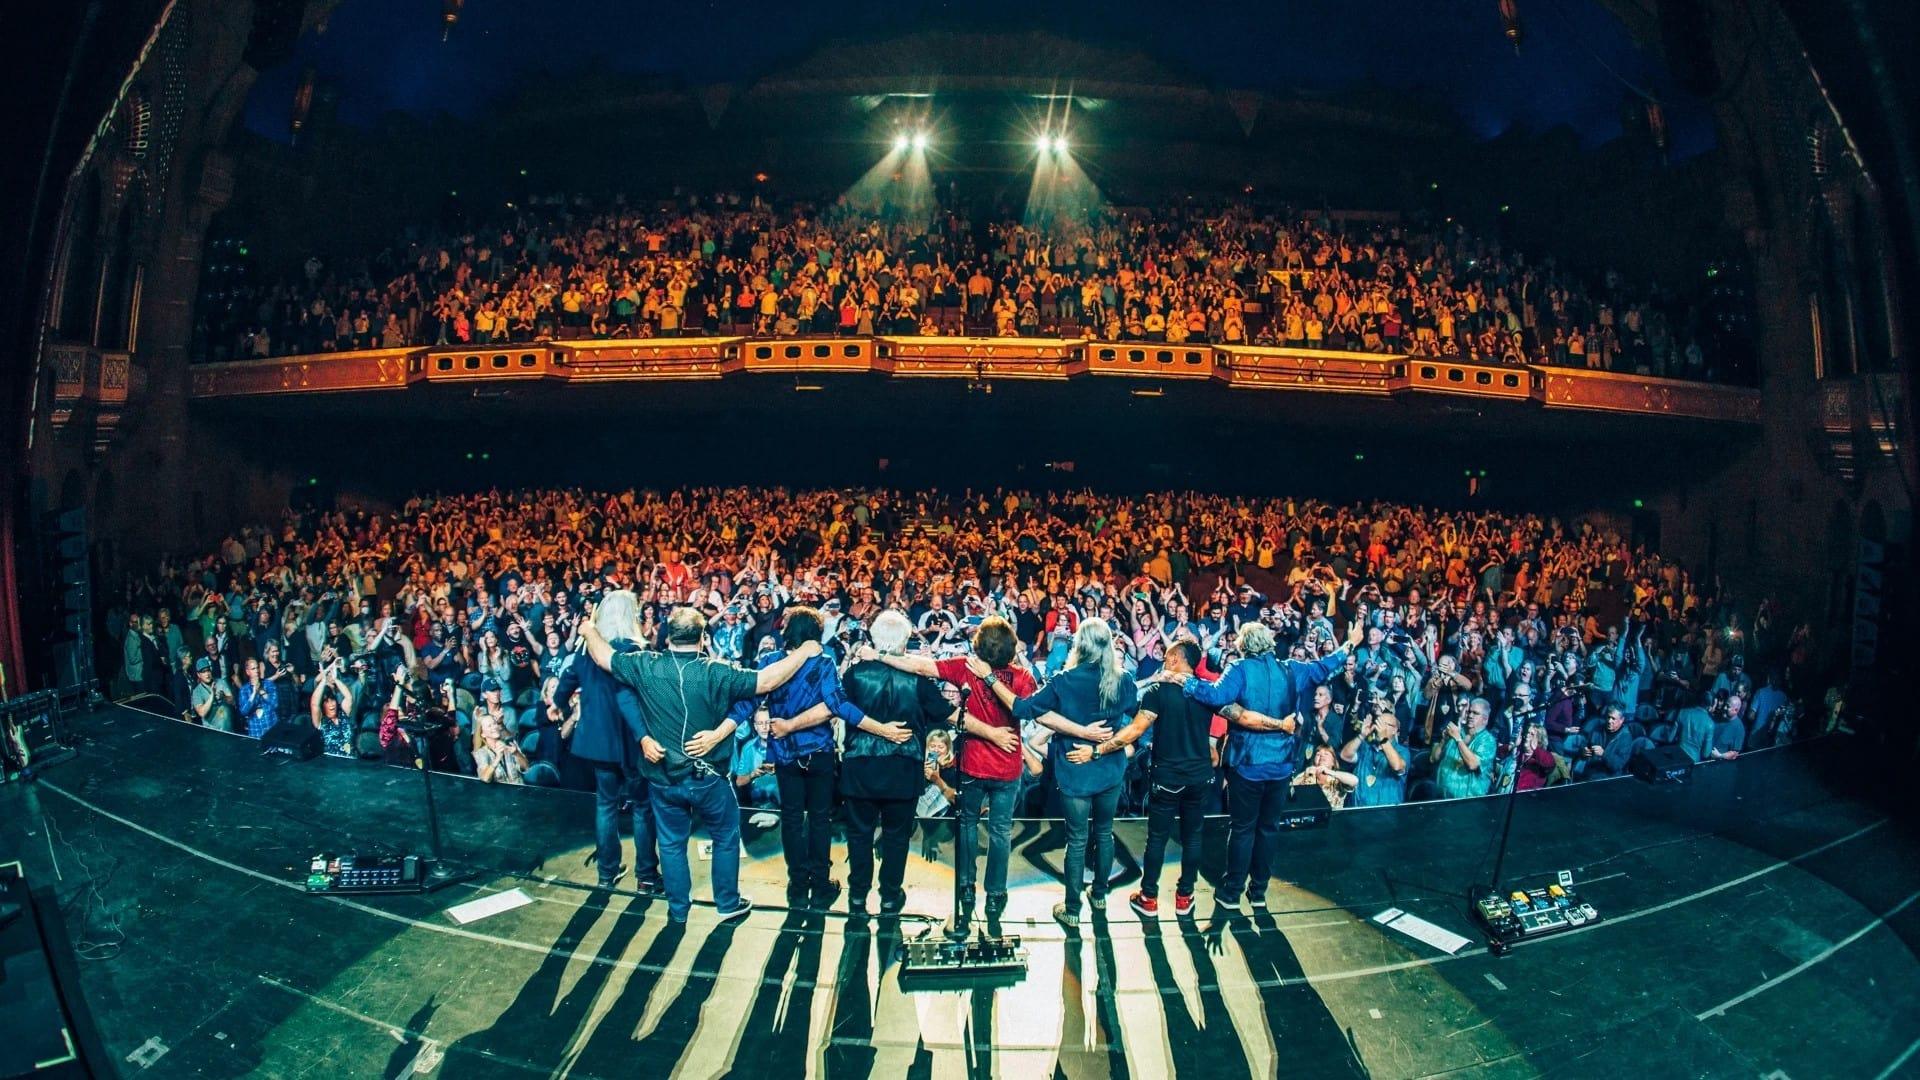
pixel 610 882
pixel 746 905
pixel 825 893
pixel 797 896
pixel 650 887
pixel 893 905
pixel 857 906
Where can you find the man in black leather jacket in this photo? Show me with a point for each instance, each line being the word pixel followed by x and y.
pixel 882 774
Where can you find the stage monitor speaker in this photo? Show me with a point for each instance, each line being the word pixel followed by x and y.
pixel 1661 765
pixel 43 1029
pixel 296 738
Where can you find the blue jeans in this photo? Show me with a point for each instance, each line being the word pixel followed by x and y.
pixel 1253 831
pixel 610 785
pixel 709 799
pixel 1089 824
pixel 998 795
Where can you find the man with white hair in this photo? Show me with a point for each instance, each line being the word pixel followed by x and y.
pixel 1262 751
pixel 883 766
pixel 608 736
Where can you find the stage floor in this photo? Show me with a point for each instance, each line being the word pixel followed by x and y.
pixel 1756 923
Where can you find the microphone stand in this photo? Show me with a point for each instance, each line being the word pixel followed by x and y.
pixel 418 726
pixel 1506 825
pixel 956 930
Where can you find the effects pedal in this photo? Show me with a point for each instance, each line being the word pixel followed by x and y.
pixel 365 875
pixel 1526 914
pixel 936 962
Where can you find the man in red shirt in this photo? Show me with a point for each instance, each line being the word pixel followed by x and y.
pixel 989 760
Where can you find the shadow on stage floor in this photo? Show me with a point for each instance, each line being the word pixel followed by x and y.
pixel 197 847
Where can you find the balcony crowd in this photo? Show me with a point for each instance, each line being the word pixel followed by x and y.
pixel 567 268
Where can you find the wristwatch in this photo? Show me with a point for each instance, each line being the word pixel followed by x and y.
pixel 991 679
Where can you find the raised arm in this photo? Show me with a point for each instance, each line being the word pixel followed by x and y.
pixel 597 647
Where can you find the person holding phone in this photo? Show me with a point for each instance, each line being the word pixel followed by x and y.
pixel 1463 755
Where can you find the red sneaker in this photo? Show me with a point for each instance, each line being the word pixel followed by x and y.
pixel 1183 903
pixel 1146 905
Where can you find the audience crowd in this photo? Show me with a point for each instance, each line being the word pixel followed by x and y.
pixel 1229 273
pixel 1492 649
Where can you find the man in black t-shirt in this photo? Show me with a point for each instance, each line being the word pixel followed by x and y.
pixel 1182 773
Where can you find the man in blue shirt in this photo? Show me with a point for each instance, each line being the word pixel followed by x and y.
pixel 1379 759
pixel 800 744
pixel 1260 695
pixel 1463 756
pixel 1767 701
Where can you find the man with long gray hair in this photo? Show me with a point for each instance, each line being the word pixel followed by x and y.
pixel 1081 705
pixel 1261 696
pixel 607 736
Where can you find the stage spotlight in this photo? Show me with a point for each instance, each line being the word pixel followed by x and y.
pixel 900 144
pixel 1059 144
pixel 919 140
pixel 1043 144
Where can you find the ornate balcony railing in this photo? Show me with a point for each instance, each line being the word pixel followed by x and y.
pixel 1047 359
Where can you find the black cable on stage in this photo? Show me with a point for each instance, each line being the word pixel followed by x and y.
pixel 114 939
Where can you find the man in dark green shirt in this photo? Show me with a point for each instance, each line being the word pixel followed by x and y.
pixel 687 752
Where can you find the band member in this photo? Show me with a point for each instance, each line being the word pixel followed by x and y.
pixel 1260 695
pixel 884 768
pixel 608 737
pixel 990 761
pixel 686 755
pixel 800 745
pixel 1081 704
pixel 1179 779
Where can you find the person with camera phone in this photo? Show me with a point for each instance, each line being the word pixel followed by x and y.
pixel 1463 756
pixel 1323 774
pixel 1378 758
pixel 330 707
pixel 211 701
pixel 259 699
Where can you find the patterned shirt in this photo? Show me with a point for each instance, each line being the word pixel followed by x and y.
pixel 817 681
